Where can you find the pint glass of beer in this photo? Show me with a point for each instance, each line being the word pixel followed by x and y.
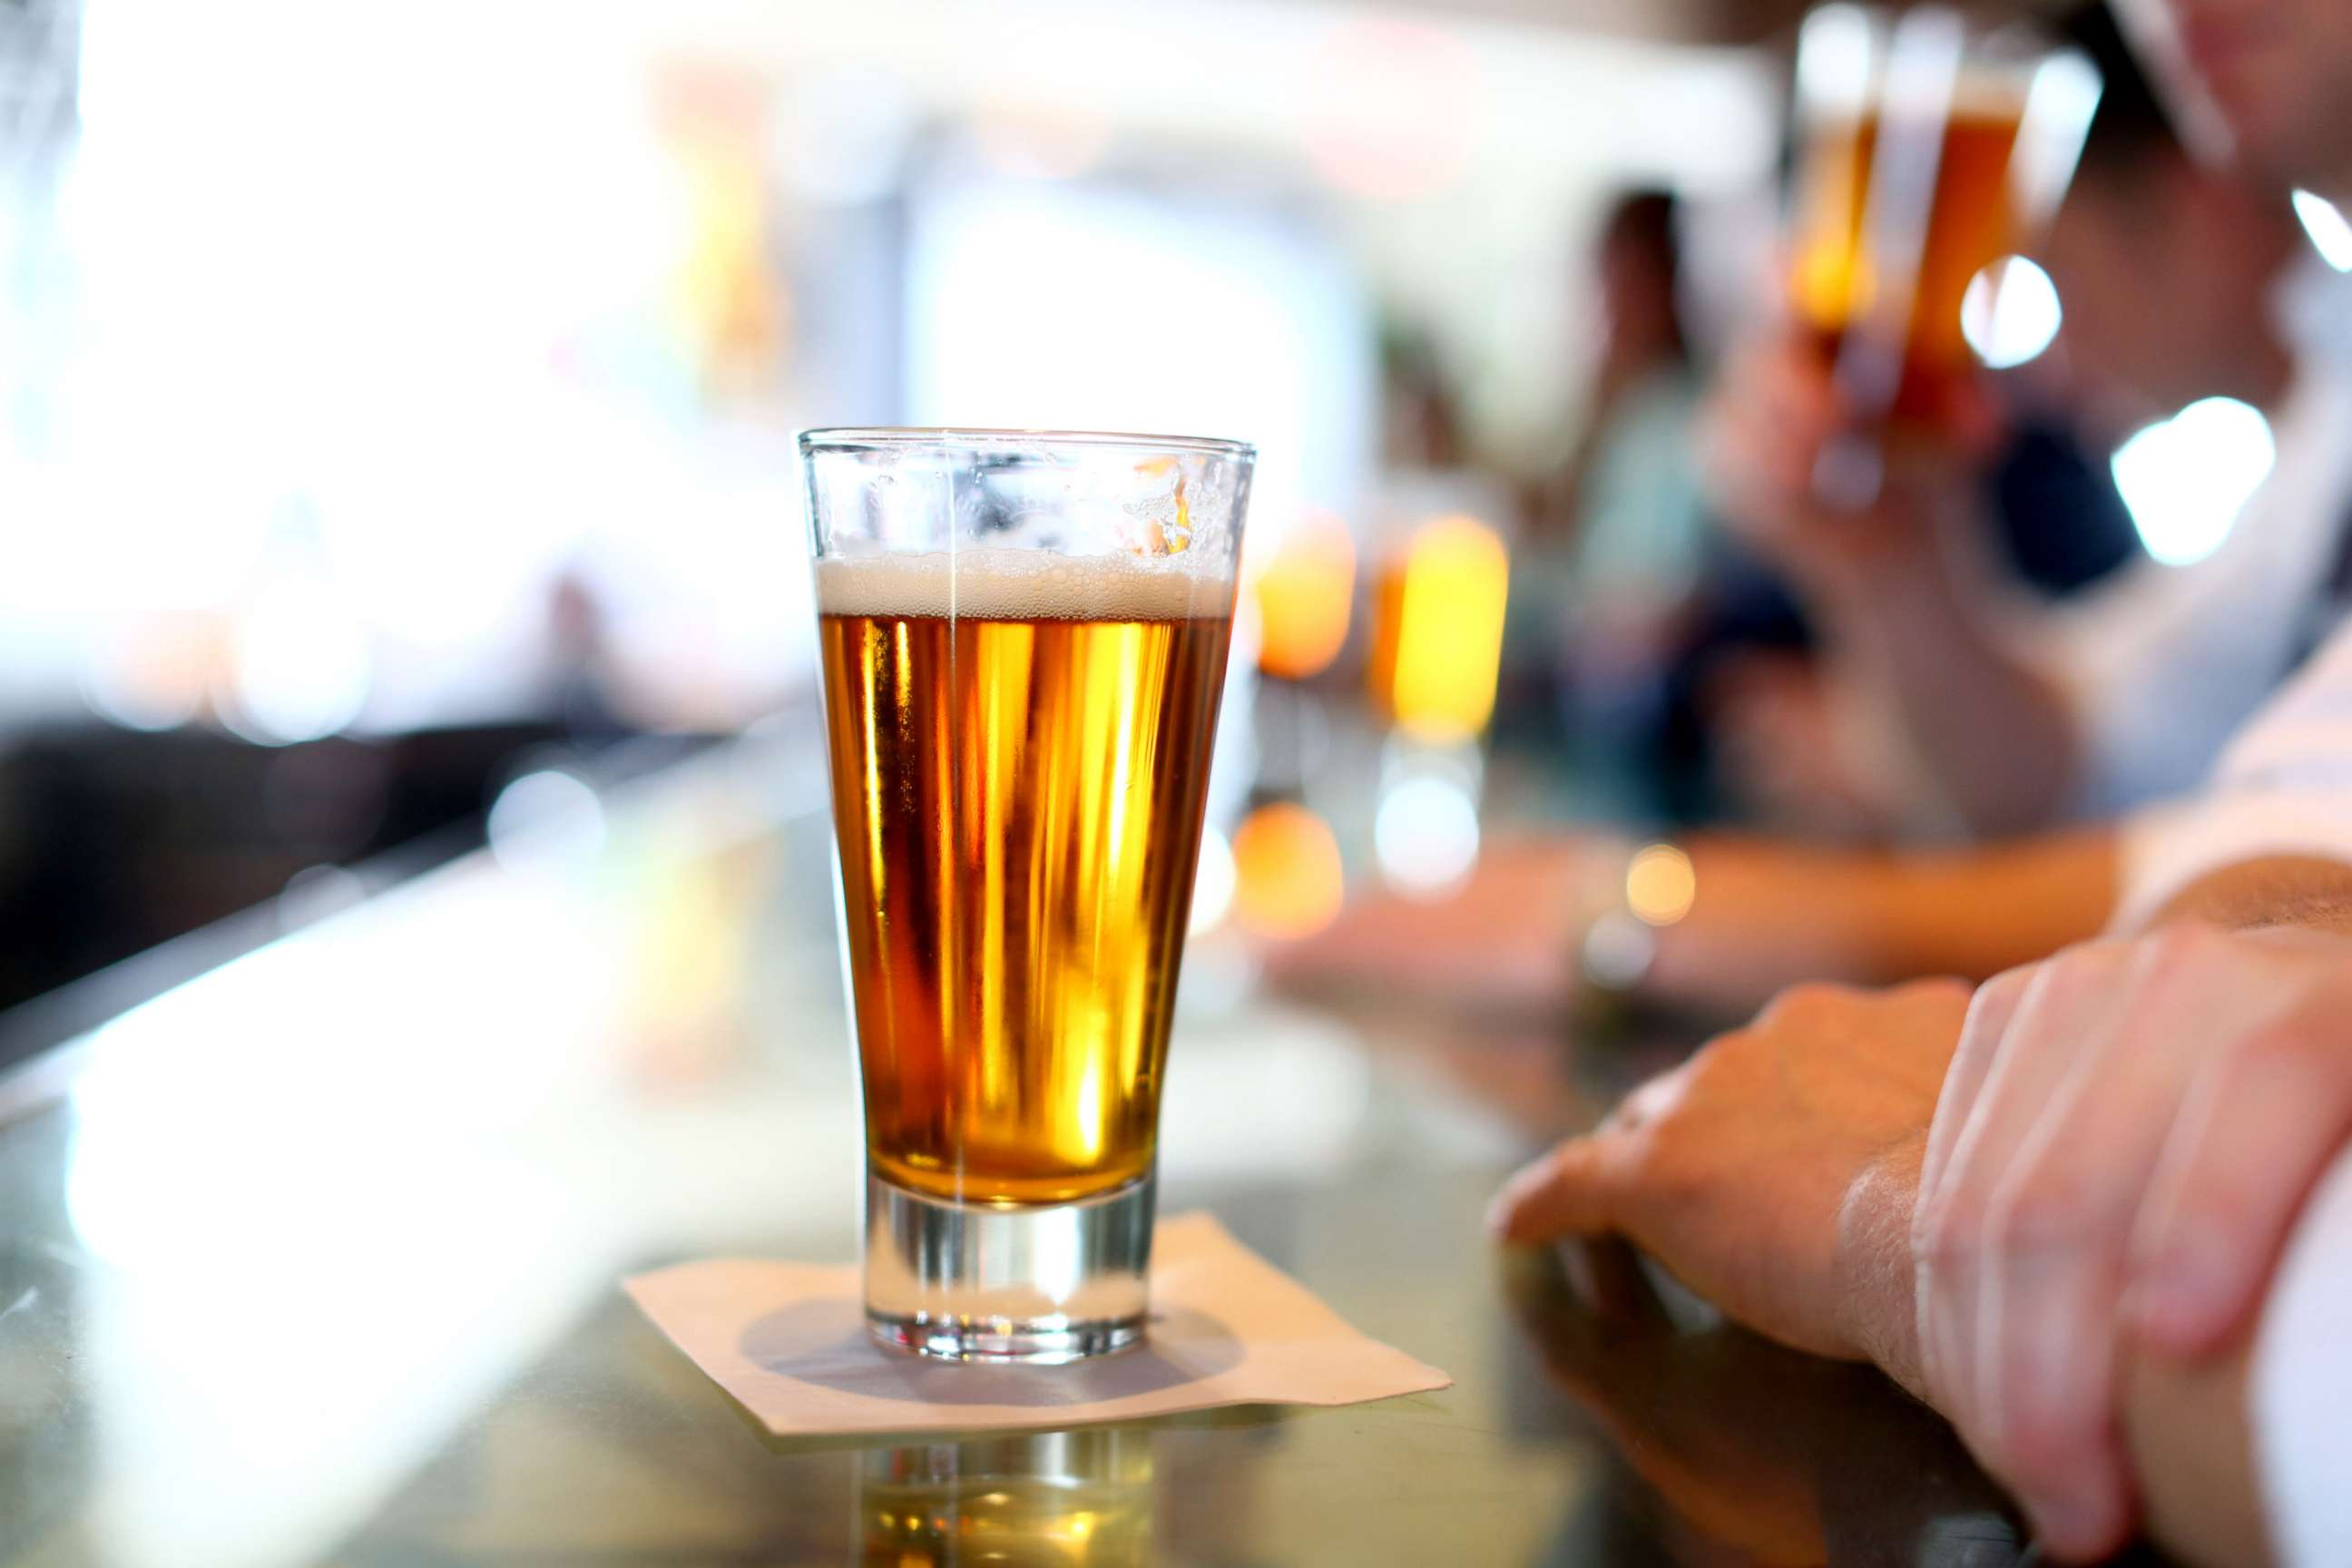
pixel 1929 147
pixel 1024 639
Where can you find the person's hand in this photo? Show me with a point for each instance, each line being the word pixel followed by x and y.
pixel 2125 1135
pixel 1775 434
pixel 1765 1171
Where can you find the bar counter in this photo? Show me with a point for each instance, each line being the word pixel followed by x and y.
pixel 314 1257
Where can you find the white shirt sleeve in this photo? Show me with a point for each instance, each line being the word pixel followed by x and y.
pixel 2300 1387
pixel 2284 787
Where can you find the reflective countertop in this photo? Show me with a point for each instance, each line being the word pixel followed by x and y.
pixel 315 1258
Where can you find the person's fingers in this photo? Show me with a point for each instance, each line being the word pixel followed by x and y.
pixel 1569 1191
pixel 2059 1225
pixel 2258 1125
pixel 2046 1356
pixel 1990 1011
pixel 2062 1004
pixel 2053 1265
pixel 1943 1242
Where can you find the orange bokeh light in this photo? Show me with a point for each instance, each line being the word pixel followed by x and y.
pixel 1287 880
pixel 1303 595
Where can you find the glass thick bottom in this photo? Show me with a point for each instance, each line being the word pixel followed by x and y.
pixel 1042 1283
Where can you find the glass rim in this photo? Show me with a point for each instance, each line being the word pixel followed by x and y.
pixel 860 438
pixel 1996 47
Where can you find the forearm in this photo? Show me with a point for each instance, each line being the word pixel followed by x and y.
pixel 2309 891
pixel 1765 914
pixel 1915 650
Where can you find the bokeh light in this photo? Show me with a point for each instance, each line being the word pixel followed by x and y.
pixel 152 676
pixel 2330 233
pixel 546 819
pixel 2011 312
pixel 1303 594
pixel 2184 478
pixel 299 666
pixel 1288 882
pixel 1427 836
pixel 1438 639
pixel 1660 885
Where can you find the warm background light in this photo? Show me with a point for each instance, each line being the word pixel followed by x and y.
pixel 1287 880
pixel 1303 594
pixel 1438 638
pixel 1660 886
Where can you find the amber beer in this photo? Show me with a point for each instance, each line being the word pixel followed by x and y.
pixel 1970 224
pixel 1020 748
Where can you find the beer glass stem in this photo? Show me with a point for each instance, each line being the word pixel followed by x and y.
pixel 998 1282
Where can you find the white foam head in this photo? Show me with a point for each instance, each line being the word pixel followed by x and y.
pixel 1023 586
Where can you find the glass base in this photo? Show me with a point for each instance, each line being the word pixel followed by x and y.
pixel 1041 1283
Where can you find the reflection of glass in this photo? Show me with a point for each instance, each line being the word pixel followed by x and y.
pixel 1055 1500
pixel 1769 1455
pixel 1929 148
pixel 1024 639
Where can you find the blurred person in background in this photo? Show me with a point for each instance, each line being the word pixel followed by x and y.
pixel 1692 688
pixel 1602 588
pixel 1774 735
pixel 2180 282
pixel 1617 535
pixel 1706 925
pixel 2098 1212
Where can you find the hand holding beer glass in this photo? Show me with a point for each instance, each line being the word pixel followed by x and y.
pixel 1929 148
pixel 1024 640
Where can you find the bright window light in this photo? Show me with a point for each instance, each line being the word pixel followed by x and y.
pixel 2325 223
pixel 1036 304
pixel 301 667
pixel 2186 477
pixel 2011 312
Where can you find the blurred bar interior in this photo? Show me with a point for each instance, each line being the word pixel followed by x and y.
pixel 397 409
pixel 394 406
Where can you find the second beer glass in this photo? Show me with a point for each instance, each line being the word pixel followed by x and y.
pixel 1929 147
